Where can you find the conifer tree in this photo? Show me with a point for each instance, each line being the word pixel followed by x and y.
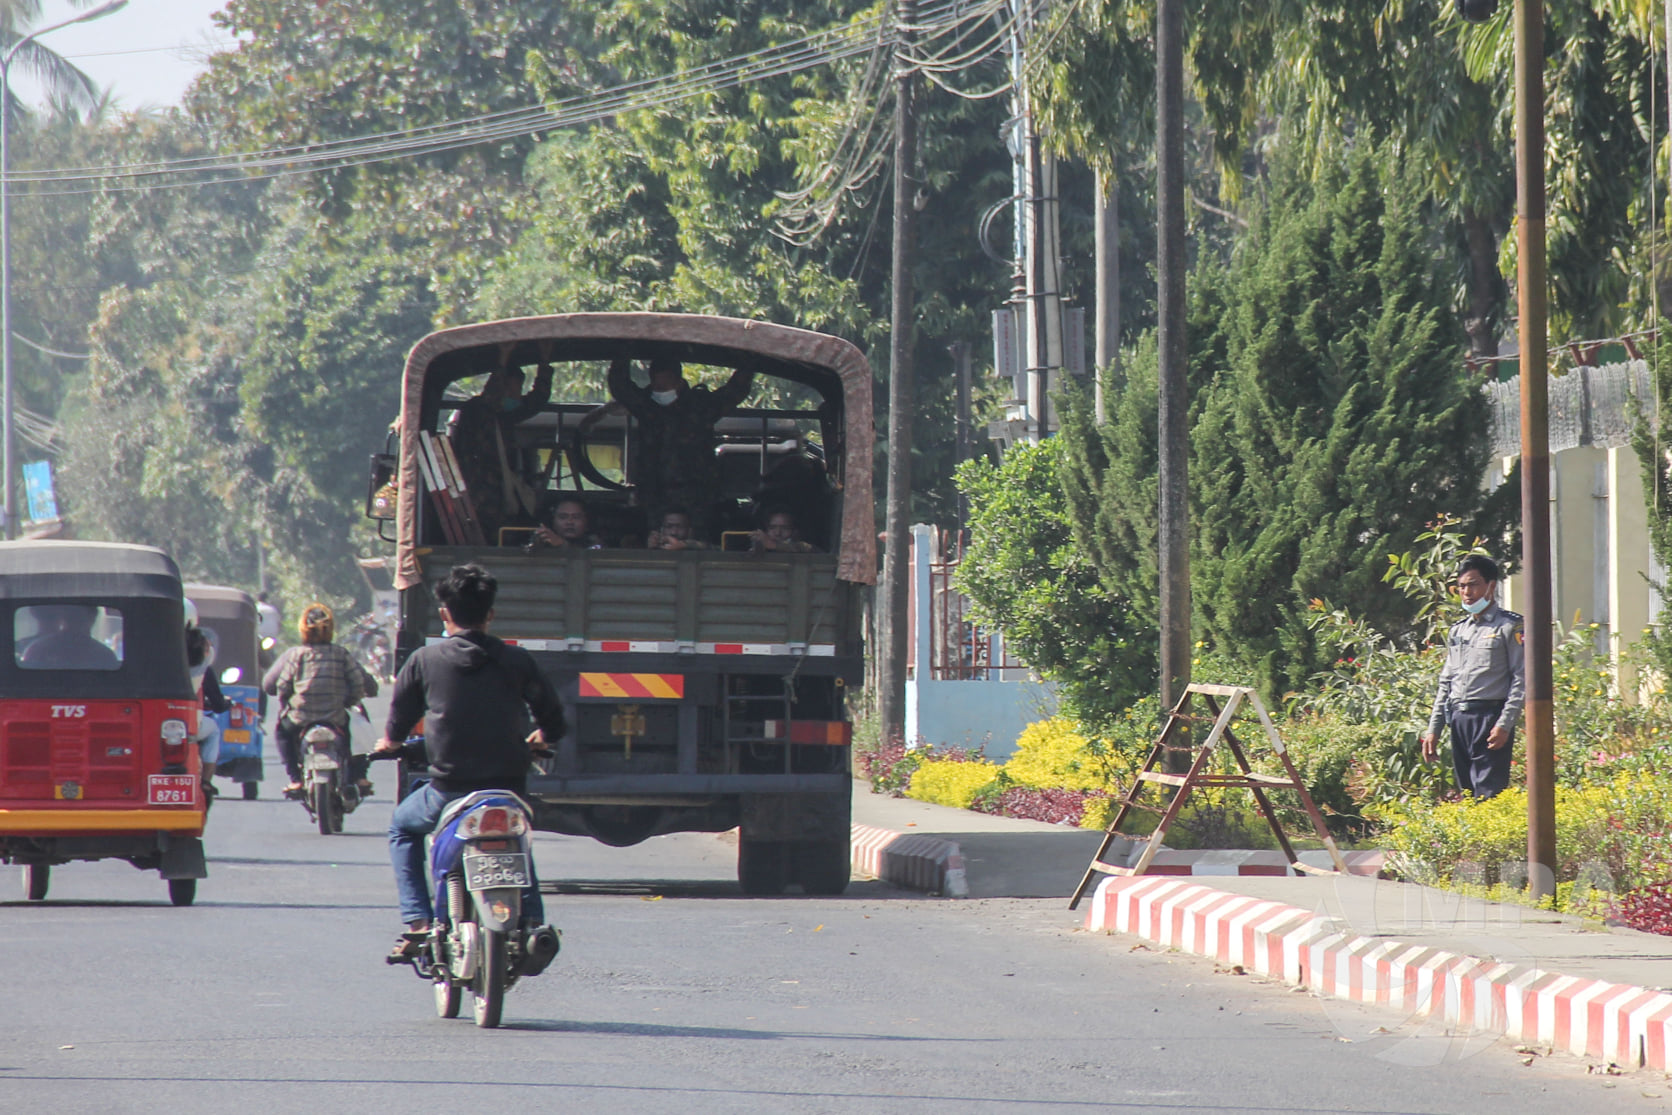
pixel 1331 420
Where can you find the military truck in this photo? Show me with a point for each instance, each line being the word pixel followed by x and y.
pixel 704 688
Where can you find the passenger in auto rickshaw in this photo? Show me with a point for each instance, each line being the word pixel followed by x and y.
pixel 67 642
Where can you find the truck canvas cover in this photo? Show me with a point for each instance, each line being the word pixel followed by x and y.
pixel 829 365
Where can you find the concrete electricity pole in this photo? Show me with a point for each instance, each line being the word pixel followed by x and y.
pixel 1108 286
pixel 1535 447
pixel 1173 431
pixel 891 653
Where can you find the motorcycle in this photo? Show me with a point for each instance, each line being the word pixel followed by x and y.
pixel 480 861
pixel 371 647
pixel 330 789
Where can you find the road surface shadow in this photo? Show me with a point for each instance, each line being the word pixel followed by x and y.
pixel 729 1033
pixel 869 889
pixel 1025 864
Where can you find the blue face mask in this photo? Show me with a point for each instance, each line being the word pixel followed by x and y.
pixel 1478 606
pixel 508 404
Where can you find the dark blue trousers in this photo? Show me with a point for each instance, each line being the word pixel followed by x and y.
pixel 1479 770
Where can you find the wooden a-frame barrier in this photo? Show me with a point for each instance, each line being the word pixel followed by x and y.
pixel 1179 720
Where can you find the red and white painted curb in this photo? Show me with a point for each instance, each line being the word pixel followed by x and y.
pixel 1170 861
pixel 919 861
pixel 1626 1024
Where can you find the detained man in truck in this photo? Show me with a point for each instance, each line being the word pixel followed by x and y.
pixel 674 532
pixel 676 465
pixel 483 442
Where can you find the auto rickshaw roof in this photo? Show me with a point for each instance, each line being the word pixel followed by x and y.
pixel 222 601
pixel 103 570
pixel 829 365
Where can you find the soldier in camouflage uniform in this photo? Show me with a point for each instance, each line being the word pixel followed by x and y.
pixel 674 464
pixel 1482 685
pixel 483 444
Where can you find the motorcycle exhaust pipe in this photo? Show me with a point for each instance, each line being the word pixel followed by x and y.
pixel 542 948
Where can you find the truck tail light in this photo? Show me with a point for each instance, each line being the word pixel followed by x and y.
pixel 833 733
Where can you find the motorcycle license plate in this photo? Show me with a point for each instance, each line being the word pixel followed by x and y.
pixel 508 870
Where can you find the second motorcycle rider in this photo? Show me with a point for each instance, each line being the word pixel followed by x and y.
pixel 316 683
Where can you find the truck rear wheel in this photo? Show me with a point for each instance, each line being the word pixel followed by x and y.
pixel 762 866
pixel 824 866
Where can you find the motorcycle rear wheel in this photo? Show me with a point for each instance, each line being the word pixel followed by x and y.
pixel 488 987
pixel 322 807
pixel 36 878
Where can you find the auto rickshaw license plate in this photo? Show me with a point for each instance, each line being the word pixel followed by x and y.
pixel 171 789
pixel 508 870
pixel 236 735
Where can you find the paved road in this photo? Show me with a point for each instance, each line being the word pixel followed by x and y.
pixel 674 993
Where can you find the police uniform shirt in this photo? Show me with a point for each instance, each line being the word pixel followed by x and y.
pixel 1485 661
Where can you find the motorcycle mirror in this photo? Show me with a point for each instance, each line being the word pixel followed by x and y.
pixel 230 675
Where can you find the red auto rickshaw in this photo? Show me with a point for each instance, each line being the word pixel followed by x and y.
pixel 98 714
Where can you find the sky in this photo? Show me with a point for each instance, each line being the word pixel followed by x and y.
pixel 145 54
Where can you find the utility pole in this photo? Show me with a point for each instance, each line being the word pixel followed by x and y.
pixel 1535 447
pixel 891 654
pixel 1173 543
pixel 1108 285
pixel 960 352
pixel 1036 289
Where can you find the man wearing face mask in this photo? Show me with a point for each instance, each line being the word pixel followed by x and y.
pixel 485 445
pixel 1482 685
pixel 675 464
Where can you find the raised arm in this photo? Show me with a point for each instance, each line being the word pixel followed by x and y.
pixel 538 396
pixel 731 394
pixel 622 388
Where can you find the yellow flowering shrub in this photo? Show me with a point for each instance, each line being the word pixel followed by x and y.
pixel 1099 812
pixel 949 782
pixel 1051 754
pixel 1469 841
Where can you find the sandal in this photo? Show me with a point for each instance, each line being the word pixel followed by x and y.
pixel 408 947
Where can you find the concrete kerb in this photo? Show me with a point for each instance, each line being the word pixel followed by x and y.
pixel 1627 1024
pixel 917 861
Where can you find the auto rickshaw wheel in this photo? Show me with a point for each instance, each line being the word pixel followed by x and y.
pixel 36 878
pixel 182 892
pixel 251 789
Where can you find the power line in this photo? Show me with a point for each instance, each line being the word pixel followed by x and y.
pixel 785 59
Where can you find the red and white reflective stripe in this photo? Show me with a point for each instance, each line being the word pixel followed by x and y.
pixel 648 646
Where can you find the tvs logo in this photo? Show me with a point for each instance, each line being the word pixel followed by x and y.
pixel 69 712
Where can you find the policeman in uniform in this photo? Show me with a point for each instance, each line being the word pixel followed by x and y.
pixel 1483 684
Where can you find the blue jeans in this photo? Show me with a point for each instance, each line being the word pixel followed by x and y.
pixel 415 818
